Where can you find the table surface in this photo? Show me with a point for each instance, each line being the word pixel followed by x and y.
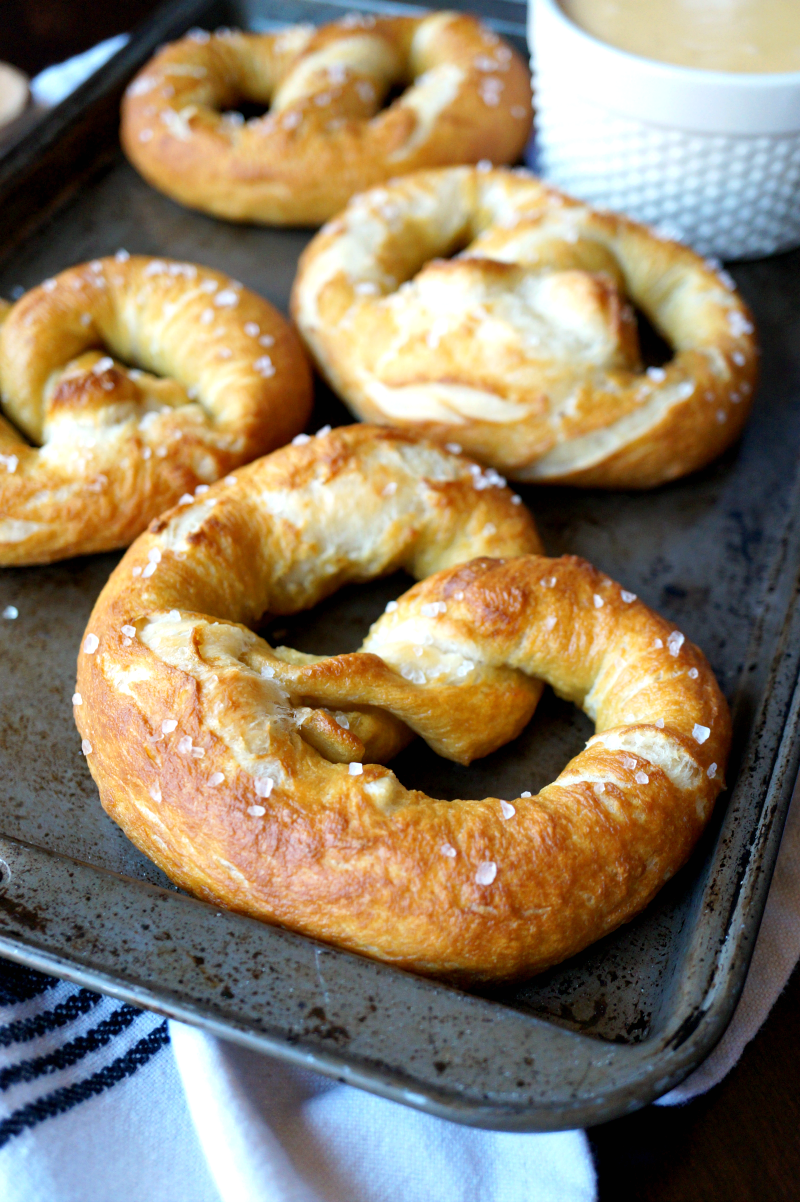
pixel 737 1143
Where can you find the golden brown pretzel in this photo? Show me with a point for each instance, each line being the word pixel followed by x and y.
pixel 251 774
pixel 225 379
pixel 324 138
pixel 523 348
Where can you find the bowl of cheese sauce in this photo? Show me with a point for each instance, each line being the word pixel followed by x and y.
pixel 683 113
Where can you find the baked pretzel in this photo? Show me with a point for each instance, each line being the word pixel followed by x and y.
pixel 523 348
pixel 252 774
pixel 325 135
pixel 220 378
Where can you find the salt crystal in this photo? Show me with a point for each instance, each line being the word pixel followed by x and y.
pixel 507 810
pixel 148 569
pixel 693 673
pixel 129 631
pixel 227 298
pixel 391 606
pixel 216 778
pixel 263 785
pixel 515 500
pixel 86 746
pixel 550 621
pixel 700 733
pixel 656 374
pixel 675 642
pixel 627 597
pixel 658 643
pixel 322 431
pixel 711 771
pixel 300 440
pixel 154 555
pixel 77 699
pixel 185 744
pixel 174 615
pixel 642 778
pixel 90 643
pixel 599 787
pixel 155 792
pixel 201 488
pixel 459 596
pixel 448 850
pixel 486 872
pixel 628 762
pixel 168 725
pixel 433 608
pixel 659 722
pixel 355 769
pixel 256 811
pixel 186 499
pixel 10 612
pixel 454 448
pixel 265 367
pixel 137 571
pixel 231 480
pixel 266 340
pixel 527 793
pixel 390 489
pixel 598 601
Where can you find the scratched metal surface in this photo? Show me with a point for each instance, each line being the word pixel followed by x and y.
pixel 716 553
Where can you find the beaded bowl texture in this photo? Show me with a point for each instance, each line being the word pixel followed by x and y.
pixel 711 156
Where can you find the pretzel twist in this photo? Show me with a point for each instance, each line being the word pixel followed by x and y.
pixel 251 774
pixel 523 347
pixel 224 380
pixel 324 137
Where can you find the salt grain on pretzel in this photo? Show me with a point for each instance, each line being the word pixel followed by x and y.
pixel 98 447
pixel 290 815
pixel 325 135
pixel 524 346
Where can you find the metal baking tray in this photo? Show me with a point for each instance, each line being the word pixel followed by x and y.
pixel 718 553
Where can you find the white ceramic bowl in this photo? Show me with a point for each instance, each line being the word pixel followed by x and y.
pixel 713 156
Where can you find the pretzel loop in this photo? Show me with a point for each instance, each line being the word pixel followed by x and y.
pixel 252 774
pixel 202 376
pixel 466 97
pixel 524 347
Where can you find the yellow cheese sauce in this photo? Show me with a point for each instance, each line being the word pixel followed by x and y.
pixel 715 35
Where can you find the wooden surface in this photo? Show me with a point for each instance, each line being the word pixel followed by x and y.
pixel 741 1141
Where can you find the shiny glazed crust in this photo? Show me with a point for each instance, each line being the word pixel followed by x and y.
pixel 252 774
pixel 114 445
pixel 523 347
pixel 325 136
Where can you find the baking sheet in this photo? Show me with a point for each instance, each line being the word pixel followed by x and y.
pixel 716 553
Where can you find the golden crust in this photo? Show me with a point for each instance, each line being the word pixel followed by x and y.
pixel 195 729
pixel 115 445
pixel 524 347
pixel 324 137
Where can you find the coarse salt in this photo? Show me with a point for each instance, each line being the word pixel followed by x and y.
pixel 527 793
pixel 675 642
pixel 642 778
pixel 391 606
pixel 355 769
pixel 711 771
pixel 448 850
pixel 627 597
pixel 155 792
pixel 263 785
pixel 129 631
pixel 507 810
pixel 256 811
pixel 700 733
pixel 598 601
pixel 90 643
pixel 86 746
pixel 216 778
pixel 486 872
pixel 168 725
pixel 693 673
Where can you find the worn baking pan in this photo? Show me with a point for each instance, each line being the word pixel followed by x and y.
pixel 717 553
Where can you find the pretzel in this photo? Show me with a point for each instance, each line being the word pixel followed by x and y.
pixel 523 348
pixel 224 380
pixel 252 775
pixel 325 135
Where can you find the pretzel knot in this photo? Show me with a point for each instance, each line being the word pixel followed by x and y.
pixel 252 774
pixel 219 378
pixel 467 97
pixel 524 346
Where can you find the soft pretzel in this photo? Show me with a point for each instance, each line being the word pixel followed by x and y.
pixel 325 135
pixel 523 348
pixel 225 379
pixel 251 774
